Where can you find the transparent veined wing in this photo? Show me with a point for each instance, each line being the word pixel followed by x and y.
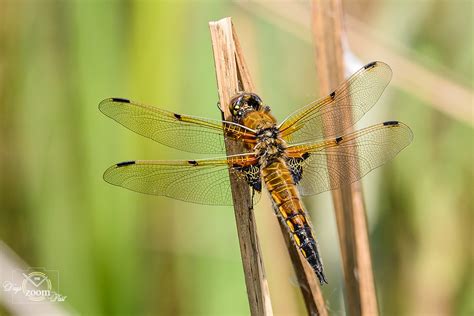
pixel 328 117
pixel 332 163
pixel 203 181
pixel 183 132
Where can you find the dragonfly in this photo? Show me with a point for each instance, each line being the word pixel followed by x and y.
pixel 313 150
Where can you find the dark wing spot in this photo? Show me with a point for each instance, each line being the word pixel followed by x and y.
pixel 120 100
pixel 338 140
pixel 257 186
pixel 296 168
pixel 125 163
pixel 390 123
pixel 333 95
pixel 178 116
pixel 370 65
pixel 305 156
pixel 193 162
pixel 252 176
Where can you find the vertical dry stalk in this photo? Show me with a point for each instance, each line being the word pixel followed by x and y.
pixel 454 99
pixel 232 77
pixel 348 201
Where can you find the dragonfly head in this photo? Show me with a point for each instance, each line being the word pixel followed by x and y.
pixel 243 103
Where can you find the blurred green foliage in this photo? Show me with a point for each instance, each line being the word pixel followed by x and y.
pixel 122 253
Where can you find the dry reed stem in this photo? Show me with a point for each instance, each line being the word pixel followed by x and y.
pixel 348 201
pixel 435 88
pixel 232 77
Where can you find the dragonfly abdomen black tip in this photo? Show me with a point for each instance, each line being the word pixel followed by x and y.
pixel 389 123
pixel 322 278
pixel 125 163
pixel 121 100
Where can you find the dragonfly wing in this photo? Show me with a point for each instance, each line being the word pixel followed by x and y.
pixel 183 132
pixel 332 115
pixel 330 164
pixel 198 181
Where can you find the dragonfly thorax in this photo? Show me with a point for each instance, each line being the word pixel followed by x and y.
pixel 269 145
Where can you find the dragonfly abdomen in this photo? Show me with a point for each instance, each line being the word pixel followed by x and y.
pixel 279 182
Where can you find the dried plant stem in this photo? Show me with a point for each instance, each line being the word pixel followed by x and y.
pixel 453 98
pixel 232 77
pixel 348 201
pixel 434 87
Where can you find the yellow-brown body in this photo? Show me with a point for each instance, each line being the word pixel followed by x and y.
pixel 270 149
pixel 307 162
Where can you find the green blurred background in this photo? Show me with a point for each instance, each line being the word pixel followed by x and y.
pixel 123 253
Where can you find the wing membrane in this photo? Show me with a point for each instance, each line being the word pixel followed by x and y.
pixel 197 181
pixel 187 133
pixel 332 115
pixel 330 164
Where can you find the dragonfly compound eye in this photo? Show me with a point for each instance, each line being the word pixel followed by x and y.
pixel 235 105
pixel 235 110
pixel 254 101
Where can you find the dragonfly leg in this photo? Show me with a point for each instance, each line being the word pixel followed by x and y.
pixel 219 105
